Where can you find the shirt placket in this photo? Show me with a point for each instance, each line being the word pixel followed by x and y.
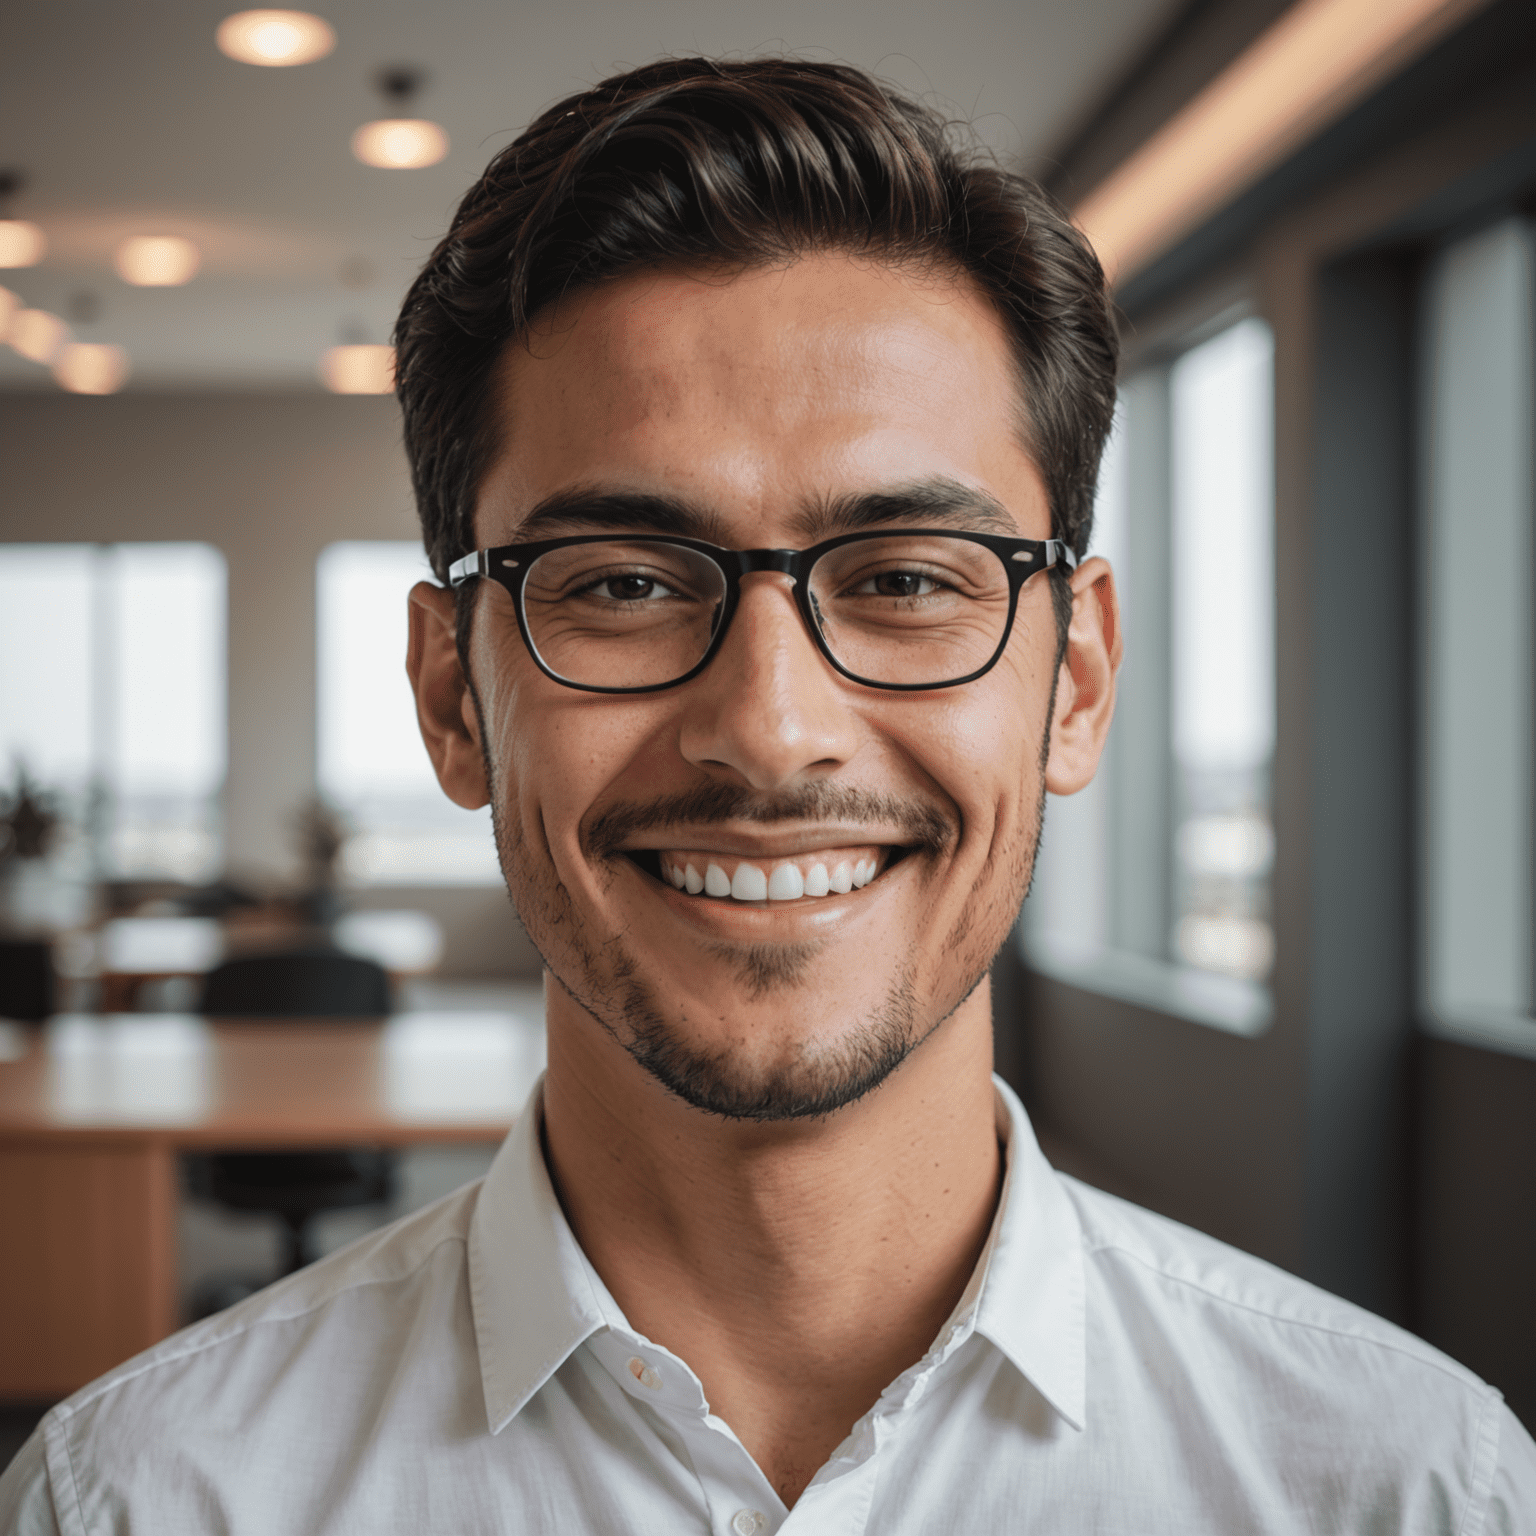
pixel 742 1502
pixel 738 1498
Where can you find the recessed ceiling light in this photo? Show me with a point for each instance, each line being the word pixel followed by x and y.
pixel 37 334
pixel 358 370
pixel 91 368
pixel 157 261
pixel 275 37
pixel 400 143
pixel 9 304
pixel 21 243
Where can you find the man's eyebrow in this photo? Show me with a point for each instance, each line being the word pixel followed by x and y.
pixel 588 509
pixel 939 502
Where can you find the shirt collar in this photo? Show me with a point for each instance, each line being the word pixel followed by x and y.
pixel 1032 1301
pixel 536 1298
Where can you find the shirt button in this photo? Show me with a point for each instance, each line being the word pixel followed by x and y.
pixel 747 1522
pixel 647 1376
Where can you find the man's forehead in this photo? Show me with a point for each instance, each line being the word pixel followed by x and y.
pixel 818 398
pixel 647 319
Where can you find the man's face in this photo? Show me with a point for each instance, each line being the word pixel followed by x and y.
pixel 757 406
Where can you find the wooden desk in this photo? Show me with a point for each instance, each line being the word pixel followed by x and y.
pixel 94 1110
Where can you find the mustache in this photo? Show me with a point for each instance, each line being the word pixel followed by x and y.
pixel 922 826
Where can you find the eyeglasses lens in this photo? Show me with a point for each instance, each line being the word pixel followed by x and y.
pixel 911 609
pixel 622 614
pixel 918 610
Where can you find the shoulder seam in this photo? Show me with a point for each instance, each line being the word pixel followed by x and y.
pixel 1109 1246
pixel 1485 1463
pixel 77 1509
pixel 69 1411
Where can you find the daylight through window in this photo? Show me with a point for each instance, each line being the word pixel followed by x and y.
pixel 112 700
pixel 373 767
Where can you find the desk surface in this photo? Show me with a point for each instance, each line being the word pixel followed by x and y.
pixel 184 1081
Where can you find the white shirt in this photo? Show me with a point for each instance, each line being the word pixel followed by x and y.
pixel 466 1371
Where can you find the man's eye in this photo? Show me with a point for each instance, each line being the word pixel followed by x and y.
pixel 630 589
pixel 898 584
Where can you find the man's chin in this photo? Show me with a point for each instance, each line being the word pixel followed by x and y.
pixel 794 1076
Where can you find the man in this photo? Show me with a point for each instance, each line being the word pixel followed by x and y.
pixel 754 430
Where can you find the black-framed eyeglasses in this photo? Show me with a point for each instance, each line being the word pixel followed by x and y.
pixel 906 609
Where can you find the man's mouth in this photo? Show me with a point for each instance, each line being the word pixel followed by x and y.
pixel 730 877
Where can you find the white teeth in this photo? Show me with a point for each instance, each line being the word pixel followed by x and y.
pixel 787 882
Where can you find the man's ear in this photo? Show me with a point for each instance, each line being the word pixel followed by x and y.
pixel 1085 687
pixel 445 709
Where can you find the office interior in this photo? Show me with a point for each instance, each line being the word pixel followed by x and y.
pixel 1276 977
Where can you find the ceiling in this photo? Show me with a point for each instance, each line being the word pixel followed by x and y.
pixel 125 119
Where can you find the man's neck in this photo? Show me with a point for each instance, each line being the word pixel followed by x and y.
pixel 798 1267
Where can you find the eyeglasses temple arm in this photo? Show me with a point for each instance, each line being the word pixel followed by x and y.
pixel 465 567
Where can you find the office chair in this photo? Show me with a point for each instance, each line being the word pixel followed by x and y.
pixel 295 1186
pixel 26 979
pixel 311 983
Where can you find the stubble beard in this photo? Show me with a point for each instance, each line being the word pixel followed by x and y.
pixel 605 981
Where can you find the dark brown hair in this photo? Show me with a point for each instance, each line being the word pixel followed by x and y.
pixel 691 160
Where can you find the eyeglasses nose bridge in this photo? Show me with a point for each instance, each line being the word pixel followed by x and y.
pixel 782 561
pixel 771 562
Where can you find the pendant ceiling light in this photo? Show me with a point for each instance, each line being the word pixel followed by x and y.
pixel 275 38
pixel 157 261
pixel 358 370
pixel 91 368
pixel 22 244
pixel 37 335
pixel 399 143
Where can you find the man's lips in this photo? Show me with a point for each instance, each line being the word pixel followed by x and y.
pixel 735 820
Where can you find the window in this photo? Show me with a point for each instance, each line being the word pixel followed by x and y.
pixel 1223 651
pixel 112 679
pixel 372 766
pixel 1479 650
pixel 1153 883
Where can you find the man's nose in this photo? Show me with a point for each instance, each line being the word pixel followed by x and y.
pixel 768 709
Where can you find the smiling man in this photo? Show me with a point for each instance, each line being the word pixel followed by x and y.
pixel 754 428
